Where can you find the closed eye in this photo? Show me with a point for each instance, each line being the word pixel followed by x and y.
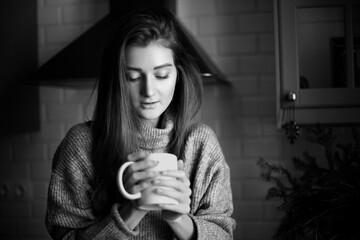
pixel 162 77
pixel 133 76
pixel 132 79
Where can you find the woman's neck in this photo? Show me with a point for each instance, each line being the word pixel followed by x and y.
pixel 155 123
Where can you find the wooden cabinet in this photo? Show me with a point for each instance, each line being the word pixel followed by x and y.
pixel 318 61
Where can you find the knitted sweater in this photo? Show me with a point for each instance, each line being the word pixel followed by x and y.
pixel 69 211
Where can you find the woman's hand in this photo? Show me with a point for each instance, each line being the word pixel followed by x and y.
pixel 136 177
pixel 181 192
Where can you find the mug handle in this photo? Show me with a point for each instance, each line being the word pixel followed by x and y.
pixel 121 184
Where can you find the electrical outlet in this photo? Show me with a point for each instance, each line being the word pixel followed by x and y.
pixel 15 190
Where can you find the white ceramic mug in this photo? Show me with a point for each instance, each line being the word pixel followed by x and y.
pixel 148 199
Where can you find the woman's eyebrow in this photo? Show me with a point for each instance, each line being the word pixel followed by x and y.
pixel 155 68
pixel 163 65
pixel 134 69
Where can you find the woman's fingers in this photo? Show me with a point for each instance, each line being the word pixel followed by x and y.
pixel 181 197
pixel 136 175
pixel 181 165
pixel 174 210
pixel 180 175
pixel 172 183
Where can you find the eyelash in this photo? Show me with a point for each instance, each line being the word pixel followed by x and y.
pixel 158 77
pixel 162 77
pixel 133 79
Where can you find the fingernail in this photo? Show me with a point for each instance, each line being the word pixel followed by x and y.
pixel 155 181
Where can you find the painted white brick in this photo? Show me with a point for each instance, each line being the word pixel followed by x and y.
pixel 244 169
pixel 39 210
pixel 212 108
pixel 31 227
pixel 240 86
pixel 212 123
pixel 5 152
pixel 237 44
pixel 262 22
pixel 51 94
pixel 231 147
pixel 7 227
pixel 255 189
pixel 228 65
pixel 63 112
pixel 238 232
pixel 88 111
pixel 236 188
pixel 195 8
pixel 48 51
pixel 63 34
pixel 84 12
pixel 61 2
pixel 262 147
pixel 31 152
pixel 77 96
pixel 14 171
pixel 217 25
pixel 40 190
pixel 269 128
pixel 41 37
pixel 257 106
pixel 17 138
pixel 49 15
pixel 190 24
pixel 248 210
pixel 267 85
pixel 256 64
pixel 52 146
pixel 209 44
pixel 49 131
pixel 40 3
pixel 43 113
pixel 40 171
pixel 96 1
pixel 14 210
pixel 258 230
pixel 235 6
pixel 266 43
pixel 265 5
pixel 239 127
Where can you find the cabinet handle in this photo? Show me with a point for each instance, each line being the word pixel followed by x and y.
pixel 291 97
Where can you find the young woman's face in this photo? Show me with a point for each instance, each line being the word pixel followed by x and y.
pixel 152 78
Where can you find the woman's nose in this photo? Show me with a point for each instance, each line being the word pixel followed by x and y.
pixel 147 88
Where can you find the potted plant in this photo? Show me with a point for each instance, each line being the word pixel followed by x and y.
pixel 320 202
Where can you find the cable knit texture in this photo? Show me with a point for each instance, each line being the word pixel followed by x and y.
pixel 69 211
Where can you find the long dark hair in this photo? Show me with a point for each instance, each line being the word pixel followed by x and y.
pixel 114 120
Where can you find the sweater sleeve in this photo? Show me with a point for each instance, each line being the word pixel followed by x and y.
pixel 69 211
pixel 211 206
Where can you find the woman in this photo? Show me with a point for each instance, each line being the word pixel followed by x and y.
pixel 148 94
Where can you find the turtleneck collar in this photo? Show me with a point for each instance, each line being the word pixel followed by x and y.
pixel 156 139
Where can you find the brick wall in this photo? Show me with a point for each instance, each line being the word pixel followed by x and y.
pixel 237 34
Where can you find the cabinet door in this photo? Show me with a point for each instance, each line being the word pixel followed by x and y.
pixel 318 60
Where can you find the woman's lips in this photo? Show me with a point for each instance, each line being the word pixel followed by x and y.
pixel 148 105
